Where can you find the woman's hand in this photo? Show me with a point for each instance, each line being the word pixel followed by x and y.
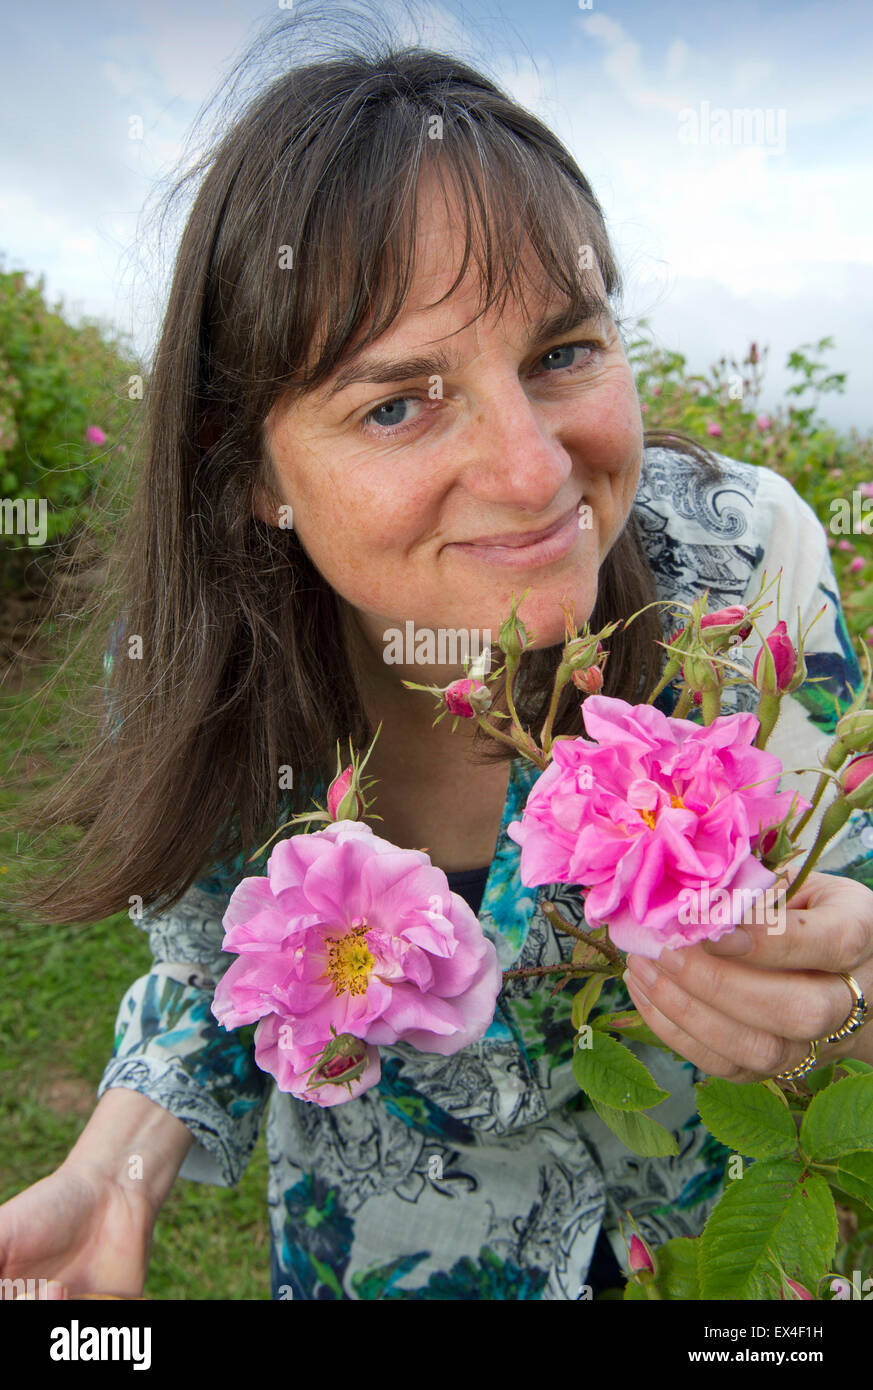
pixel 746 1014
pixel 78 1227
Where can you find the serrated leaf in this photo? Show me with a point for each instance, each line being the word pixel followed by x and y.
pixel 585 999
pixel 855 1175
pixel 678 1276
pixel 607 1071
pixel 839 1120
pixel 638 1131
pixel 747 1117
pixel 778 1213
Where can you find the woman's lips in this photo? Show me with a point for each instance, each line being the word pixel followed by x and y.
pixel 544 549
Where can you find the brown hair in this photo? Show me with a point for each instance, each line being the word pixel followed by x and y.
pixel 246 665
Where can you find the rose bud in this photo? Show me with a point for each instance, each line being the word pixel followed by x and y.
pixel 725 621
pixel 798 1290
pixel 780 676
pixel 640 1257
pixel 467 697
pixel 589 680
pixel 343 801
pixel 855 730
pixel 857 781
pixel 513 637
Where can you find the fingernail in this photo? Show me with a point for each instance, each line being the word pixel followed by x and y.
pixel 643 969
pixel 734 943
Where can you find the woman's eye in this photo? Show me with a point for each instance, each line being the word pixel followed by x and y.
pixel 390 418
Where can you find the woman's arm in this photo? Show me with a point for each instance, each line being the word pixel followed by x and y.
pixel 134 1142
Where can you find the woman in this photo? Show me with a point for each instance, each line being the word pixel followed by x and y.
pixel 343 439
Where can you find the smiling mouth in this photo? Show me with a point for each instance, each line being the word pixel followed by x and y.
pixel 526 550
pixel 516 539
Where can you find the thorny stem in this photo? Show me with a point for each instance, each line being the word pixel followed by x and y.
pixel 560 923
pixel 567 968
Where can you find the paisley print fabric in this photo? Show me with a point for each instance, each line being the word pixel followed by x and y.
pixel 486 1175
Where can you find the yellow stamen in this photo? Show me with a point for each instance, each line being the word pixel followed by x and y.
pixel 649 816
pixel 349 961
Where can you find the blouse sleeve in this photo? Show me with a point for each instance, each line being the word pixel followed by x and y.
pixel 170 1047
pixel 168 1044
pixel 795 541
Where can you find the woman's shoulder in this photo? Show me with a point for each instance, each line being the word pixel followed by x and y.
pixel 737 502
pixel 719 529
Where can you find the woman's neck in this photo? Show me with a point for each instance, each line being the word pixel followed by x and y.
pixel 432 792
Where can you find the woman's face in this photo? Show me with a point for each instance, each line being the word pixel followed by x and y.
pixel 412 487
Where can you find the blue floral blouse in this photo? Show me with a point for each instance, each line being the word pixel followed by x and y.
pixel 486 1175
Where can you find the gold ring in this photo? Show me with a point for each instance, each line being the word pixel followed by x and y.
pixel 857 1013
pixel 808 1064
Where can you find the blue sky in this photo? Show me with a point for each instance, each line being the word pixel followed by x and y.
pixel 763 237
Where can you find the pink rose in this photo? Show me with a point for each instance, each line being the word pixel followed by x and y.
pixel 763 422
pixel 349 933
pixel 654 807
pixel 713 428
pixel 95 435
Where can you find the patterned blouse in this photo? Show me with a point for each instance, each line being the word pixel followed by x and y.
pixel 485 1175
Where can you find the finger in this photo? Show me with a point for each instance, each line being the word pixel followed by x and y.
pixel 795 1004
pixel 718 1054
pixel 827 925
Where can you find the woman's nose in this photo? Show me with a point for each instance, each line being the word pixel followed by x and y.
pixel 511 454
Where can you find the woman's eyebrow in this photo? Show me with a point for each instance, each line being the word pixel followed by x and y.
pixel 375 369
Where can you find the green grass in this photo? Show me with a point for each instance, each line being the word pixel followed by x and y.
pixel 60 995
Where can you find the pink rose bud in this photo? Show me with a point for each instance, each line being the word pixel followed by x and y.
pixel 845 545
pixel 856 772
pixel 344 803
pixel 589 680
pixel 467 697
pixel 767 842
pixel 639 1257
pixel 763 422
pixel 799 1290
pixel 656 390
pixel 713 428
pixel 95 435
pixel 856 565
pixel 728 617
pixel 784 659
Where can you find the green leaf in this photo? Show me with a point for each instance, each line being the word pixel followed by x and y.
pixel 839 1119
pixel 820 1077
pixel 607 1071
pixel 855 1175
pixel 678 1276
pixel 855 1066
pixel 585 999
pixel 747 1117
pixel 778 1213
pixel 638 1131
